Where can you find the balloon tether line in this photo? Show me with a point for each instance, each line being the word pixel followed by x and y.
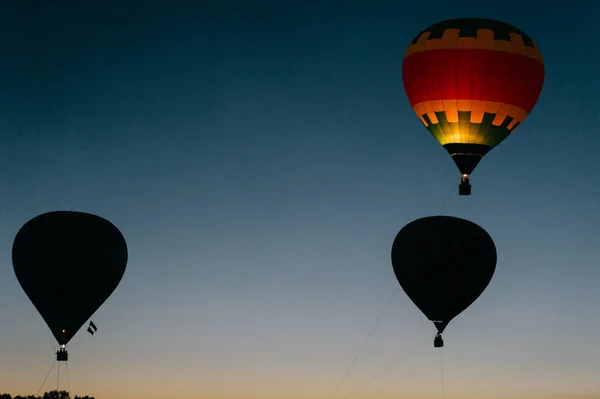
pixel 364 343
pixel 442 369
pixel 448 199
pixel 68 379
pixel 391 366
pixel 47 375
pixel 52 341
pixel 58 377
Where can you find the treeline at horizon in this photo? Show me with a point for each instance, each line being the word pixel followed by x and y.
pixel 46 395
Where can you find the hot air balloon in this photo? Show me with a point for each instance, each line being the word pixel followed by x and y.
pixel 68 264
pixel 471 82
pixel 443 264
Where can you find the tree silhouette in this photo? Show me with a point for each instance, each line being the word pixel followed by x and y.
pixel 56 395
pixel 47 395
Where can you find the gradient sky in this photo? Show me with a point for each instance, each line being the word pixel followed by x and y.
pixel 259 160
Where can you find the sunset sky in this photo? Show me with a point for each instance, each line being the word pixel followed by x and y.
pixel 259 158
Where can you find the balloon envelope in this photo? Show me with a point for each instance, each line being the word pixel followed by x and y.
pixel 471 82
pixel 68 264
pixel 444 264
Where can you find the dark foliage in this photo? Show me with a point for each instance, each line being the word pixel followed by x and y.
pixel 47 395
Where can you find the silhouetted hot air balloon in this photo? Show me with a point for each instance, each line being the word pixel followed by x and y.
pixel 68 264
pixel 471 82
pixel 444 264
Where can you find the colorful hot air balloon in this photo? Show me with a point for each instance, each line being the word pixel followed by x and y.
pixel 443 264
pixel 68 264
pixel 471 82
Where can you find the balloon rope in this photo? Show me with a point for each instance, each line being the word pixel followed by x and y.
pixel 58 377
pixel 442 369
pixel 391 366
pixel 41 386
pixel 52 341
pixel 448 199
pixel 364 342
pixel 68 380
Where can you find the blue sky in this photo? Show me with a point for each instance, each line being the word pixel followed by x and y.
pixel 259 161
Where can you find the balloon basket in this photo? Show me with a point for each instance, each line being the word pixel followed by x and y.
pixel 62 355
pixel 464 188
pixel 438 342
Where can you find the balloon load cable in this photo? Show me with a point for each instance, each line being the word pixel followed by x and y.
pixel 448 198
pixel 47 375
pixel 442 369
pixel 68 379
pixel 364 343
pixel 393 365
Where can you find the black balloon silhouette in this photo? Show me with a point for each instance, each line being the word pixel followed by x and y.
pixel 68 264
pixel 444 264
